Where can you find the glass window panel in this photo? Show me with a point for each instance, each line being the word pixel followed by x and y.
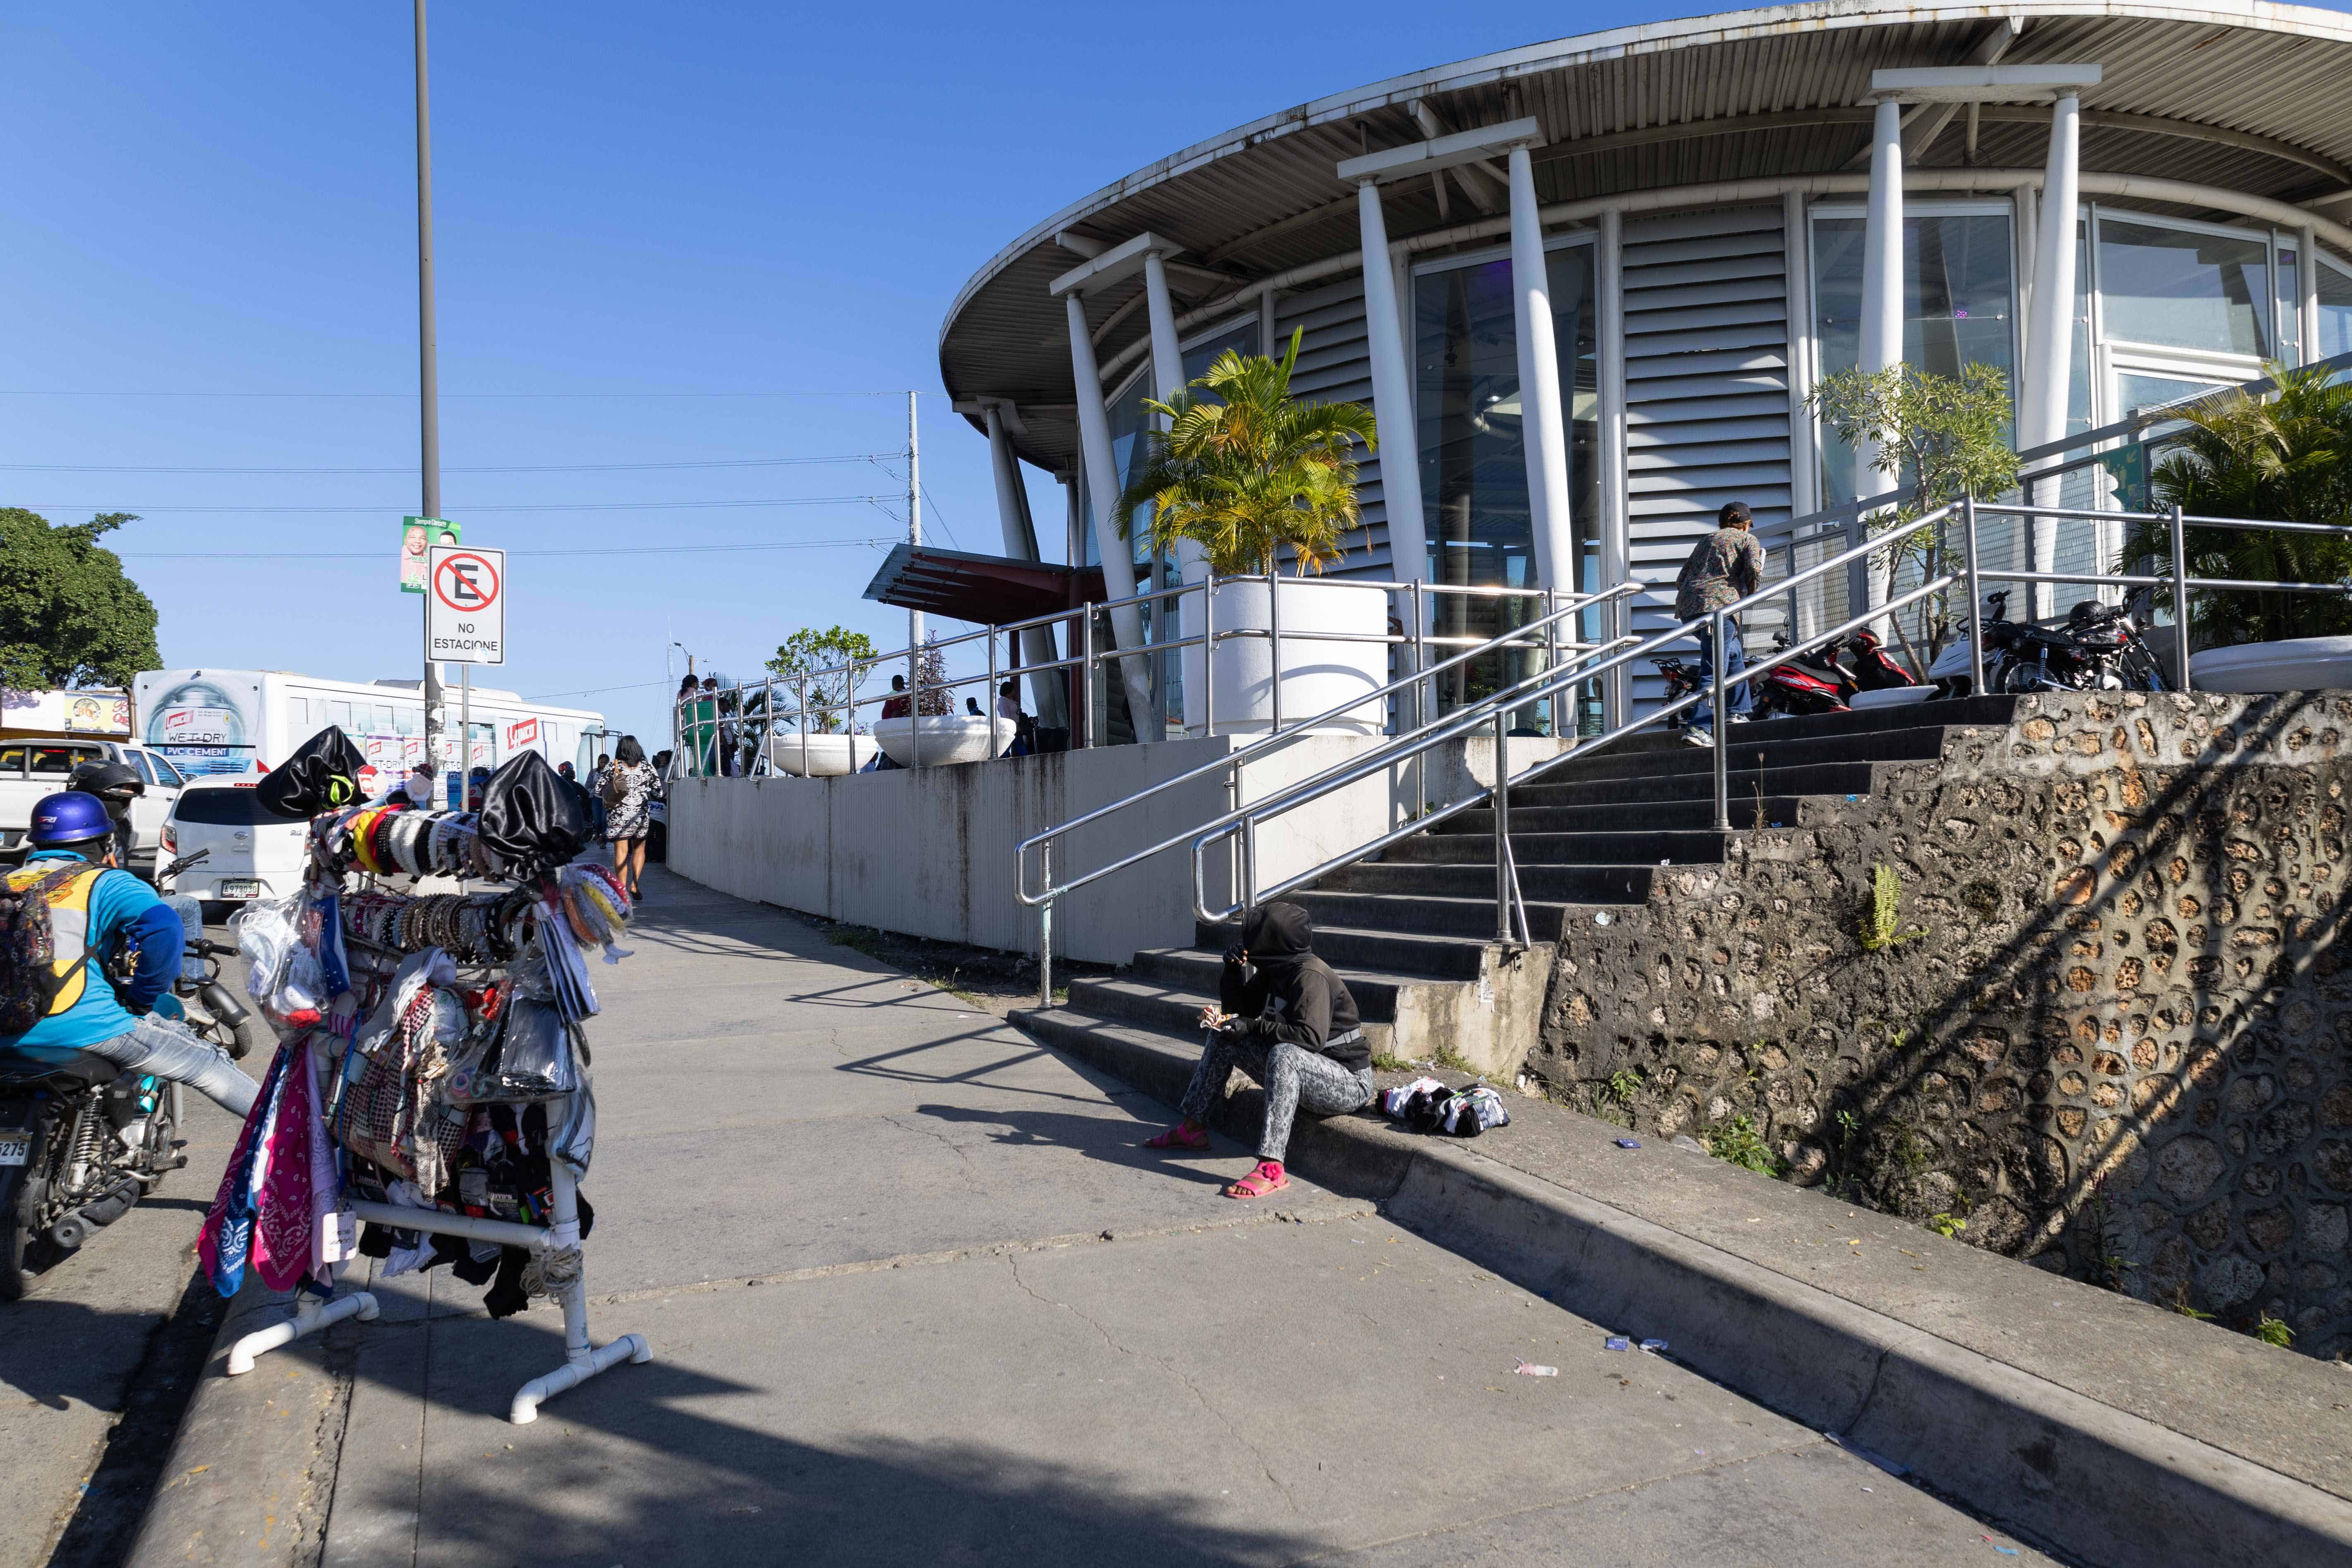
pixel 1959 292
pixel 139 765
pixel 2335 311
pixel 2185 290
pixel 165 773
pixel 1472 455
pixel 2290 308
pixel 1242 339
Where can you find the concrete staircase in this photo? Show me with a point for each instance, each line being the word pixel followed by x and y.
pixel 1413 933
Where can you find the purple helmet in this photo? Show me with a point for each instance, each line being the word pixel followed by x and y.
pixel 68 817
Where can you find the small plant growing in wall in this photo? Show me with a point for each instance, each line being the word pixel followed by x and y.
pixel 1880 919
pixel 1947 1224
pixel 1624 1086
pixel 2273 1332
pixel 1738 1142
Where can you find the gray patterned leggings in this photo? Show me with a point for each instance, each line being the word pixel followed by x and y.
pixel 1295 1080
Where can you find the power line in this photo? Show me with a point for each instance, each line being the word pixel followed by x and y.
pixel 411 469
pixel 820 392
pixel 536 506
pixel 379 554
pixel 593 690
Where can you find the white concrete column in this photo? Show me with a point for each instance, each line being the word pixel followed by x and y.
pixel 2050 331
pixel 1103 490
pixel 1543 431
pixel 1881 302
pixel 2306 279
pixel 1020 535
pixel 1805 454
pixel 1167 367
pixel 1616 532
pixel 1400 451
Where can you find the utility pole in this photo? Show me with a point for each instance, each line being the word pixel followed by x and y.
pixel 428 391
pixel 914 617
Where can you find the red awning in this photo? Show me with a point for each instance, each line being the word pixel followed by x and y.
pixel 987 590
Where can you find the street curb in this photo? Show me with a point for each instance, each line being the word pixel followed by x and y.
pixel 242 1484
pixel 2098 1483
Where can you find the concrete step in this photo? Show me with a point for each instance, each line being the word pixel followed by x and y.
pixel 1553 849
pixel 1549 884
pixel 1176 1012
pixel 1693 815
pixel 1835 780
pixel 1422 953
pixel 1437 915
pixel 1769 745
pixel 1967 710
pixel 1196 972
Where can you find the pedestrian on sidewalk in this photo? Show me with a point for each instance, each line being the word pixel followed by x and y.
pixel 1286 1019
pixel 628 806
pixel 1723 568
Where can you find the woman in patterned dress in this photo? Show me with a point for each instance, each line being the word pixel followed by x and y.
pixel 628 810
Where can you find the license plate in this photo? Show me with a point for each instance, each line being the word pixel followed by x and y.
pixel 240 888
pixel 16 1151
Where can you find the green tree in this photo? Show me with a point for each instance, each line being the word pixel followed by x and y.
pixel 67 615
pixel 2285 456
pixel 1248 468
pixel 837 662
pixel 1949 435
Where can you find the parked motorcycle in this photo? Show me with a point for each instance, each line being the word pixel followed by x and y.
pixel 1949 673
pixel 2098 648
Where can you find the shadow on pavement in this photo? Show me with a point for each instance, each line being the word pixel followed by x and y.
pixel 1114 1143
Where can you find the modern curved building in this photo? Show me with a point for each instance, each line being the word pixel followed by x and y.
pixel 1606 270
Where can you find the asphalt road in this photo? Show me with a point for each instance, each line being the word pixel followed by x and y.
pixel 97 1361
pixel 916 1295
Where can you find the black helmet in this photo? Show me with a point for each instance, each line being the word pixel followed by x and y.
pixel 113 783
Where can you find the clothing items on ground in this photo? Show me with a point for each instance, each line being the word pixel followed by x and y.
pixel 1425 1105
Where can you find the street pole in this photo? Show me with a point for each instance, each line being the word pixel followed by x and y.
pixel 428 384
pixel 914 617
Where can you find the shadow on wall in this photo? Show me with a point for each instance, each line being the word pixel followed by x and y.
pixel 2117 1052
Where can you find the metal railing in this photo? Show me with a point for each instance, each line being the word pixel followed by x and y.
pixel 751 711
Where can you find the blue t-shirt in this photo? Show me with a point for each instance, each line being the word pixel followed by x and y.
pixel 123 909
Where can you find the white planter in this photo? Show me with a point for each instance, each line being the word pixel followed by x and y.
pixel 1318 672
pixel 945 738
pixel 829 756
pixel 2298 664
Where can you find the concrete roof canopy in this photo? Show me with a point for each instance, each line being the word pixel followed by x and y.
pixel 2244 97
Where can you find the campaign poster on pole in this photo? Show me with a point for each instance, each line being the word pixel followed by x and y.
pixel 467 622
pixel 417 535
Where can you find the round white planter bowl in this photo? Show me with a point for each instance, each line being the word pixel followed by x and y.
pixel 1318 672
pixel 2297 664
pixel 829 756
pixel 945 738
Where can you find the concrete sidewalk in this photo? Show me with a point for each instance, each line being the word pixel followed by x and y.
pixel 916 1295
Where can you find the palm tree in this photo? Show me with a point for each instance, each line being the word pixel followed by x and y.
pixel 1247 469
pixel 2285 456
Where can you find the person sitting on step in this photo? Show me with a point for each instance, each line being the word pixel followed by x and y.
pixel 1286 1019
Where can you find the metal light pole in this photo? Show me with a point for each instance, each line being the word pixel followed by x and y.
pixel 914 617
pixel 428 388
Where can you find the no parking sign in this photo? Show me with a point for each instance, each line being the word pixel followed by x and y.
pixel 468 601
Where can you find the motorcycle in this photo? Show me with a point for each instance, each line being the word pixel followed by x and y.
pixel 2098 648
pixel 81 1141
pixel 1949 673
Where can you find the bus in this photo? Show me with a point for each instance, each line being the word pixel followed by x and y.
pixel 214 722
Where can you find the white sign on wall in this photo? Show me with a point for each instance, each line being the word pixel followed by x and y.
pixel 468 604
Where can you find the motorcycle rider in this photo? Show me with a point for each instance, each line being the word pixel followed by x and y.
pixel 97 909
pixel 116 784
pixel 1723 568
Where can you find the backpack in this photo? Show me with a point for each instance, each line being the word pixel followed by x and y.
pixel 32 988
pixel 616 789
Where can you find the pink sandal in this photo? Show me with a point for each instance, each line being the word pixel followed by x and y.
pixel 1181 1136
pixel 1266 1178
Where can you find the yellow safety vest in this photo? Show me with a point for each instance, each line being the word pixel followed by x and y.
pixel 68 924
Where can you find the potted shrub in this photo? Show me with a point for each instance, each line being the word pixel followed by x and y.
pixel 1244 470
pixel 944 735
pixel 832 665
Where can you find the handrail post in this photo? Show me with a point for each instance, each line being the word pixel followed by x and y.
pixel 1976 597
pixel 1209 655
pixel 1274 626
pixel 1552 654
pixel 1722 759
pixel 1086 673
pixel 2180 603
pixel 1420 706
pixel 988 699
pixel 1046 925
pixel 803 682
pixel 1502 830
pixel 767 724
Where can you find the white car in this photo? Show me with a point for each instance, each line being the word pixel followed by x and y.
pixel 254 854
pixel 34 765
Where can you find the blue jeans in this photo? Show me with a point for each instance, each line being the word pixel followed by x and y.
pixel 168 1050
pixel 1739 699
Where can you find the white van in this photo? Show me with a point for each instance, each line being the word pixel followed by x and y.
pixel 255 854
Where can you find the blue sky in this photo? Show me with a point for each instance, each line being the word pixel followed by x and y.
pixel 629 199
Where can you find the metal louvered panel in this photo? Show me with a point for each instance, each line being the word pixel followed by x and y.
pixel 1707 389
pixel 1335 366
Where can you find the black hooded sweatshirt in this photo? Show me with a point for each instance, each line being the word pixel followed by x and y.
pixel 1288 991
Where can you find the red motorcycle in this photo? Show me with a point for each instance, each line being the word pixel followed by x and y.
pixel 1819 681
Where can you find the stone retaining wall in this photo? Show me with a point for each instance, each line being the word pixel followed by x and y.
pixel 2119 1048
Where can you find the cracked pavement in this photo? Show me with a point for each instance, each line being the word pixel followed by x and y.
pixel 916 1295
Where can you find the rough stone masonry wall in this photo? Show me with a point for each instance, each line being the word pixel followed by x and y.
pixel 2119 1050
